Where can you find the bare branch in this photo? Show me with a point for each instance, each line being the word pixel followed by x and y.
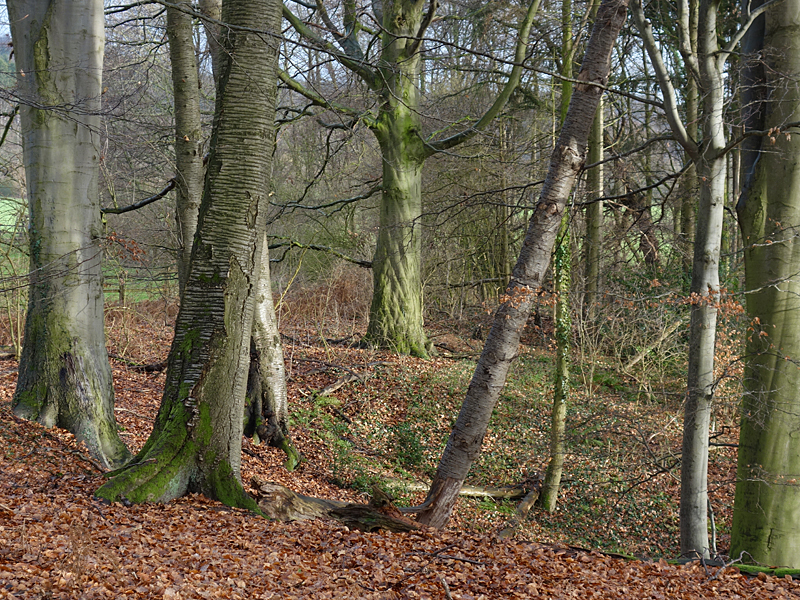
pixel 366 264
pixel 500 102
pixel 426 22
pixel 118 211
pixel 665 83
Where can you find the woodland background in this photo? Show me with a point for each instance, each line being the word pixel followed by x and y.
pixel 387 421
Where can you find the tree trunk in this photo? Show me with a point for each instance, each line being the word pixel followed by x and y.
pixel 502 343
pixel 767 504
pixel 594 217
pixel 64 375
pixel 395 315
pixel 266 381
pixel 563 333
pixel 196 440
pixel 188 132
pixel 705 295
pixel 213 10
pixel 562 258
pixel 690 183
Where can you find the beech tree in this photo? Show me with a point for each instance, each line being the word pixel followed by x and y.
pixel 395 319
pixel 502 344
pixel 267 410
pixel 767 498
pixel 706 65
pixel 188 130
pixel 64 374
pixel 196 439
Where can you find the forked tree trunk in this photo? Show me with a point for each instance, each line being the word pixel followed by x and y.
pixel 196 440
pixel 64 375
pixel 767 503
pixel 188 132
pixel 266 404
pixel 502 343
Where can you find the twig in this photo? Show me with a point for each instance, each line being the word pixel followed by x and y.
pixel 148 368
pixel 446 587
pixel 8 508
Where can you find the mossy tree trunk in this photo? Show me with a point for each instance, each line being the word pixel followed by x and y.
pixel 395 315
pixel 64 375
pixel 196 440
pixel 266 404
pixel 767 502
pixel 502 344
pixel 562 257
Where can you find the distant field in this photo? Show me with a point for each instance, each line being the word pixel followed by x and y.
pixel 10 211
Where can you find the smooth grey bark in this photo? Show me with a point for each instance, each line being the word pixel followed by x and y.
pixel 767 502
pixel 266 384
pixel 707 65
pixel 196 440
pixel 188 131
pixel 594 217
pixel 213 10
pixel 64 374
pixel 502 344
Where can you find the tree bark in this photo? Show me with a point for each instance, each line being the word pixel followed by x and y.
pixel 188 132
pixel 594 217
pixel 705 294
pixel 502 344
pixel 767 503
pixel 266 382
pixel 196 440
pixel 213 10
pixel 395 315
pixel 64 374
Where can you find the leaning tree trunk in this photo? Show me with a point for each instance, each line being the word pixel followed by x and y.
pixel 188 131
pixel 502 343
pixel 64 375
pixel 395 315
pixel 196 440
pixel 767 503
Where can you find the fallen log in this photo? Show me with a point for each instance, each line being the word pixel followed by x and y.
pixel 469 491
pixel 281 503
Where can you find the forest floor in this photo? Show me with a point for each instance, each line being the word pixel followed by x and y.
pixel 386 426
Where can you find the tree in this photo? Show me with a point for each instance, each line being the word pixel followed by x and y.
pixel 708 155
pixel 767 492
pixel 188 131
pixel 502 344
pixel 196 439
pixel 64 374
pixel 396 311
pixel 266 388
